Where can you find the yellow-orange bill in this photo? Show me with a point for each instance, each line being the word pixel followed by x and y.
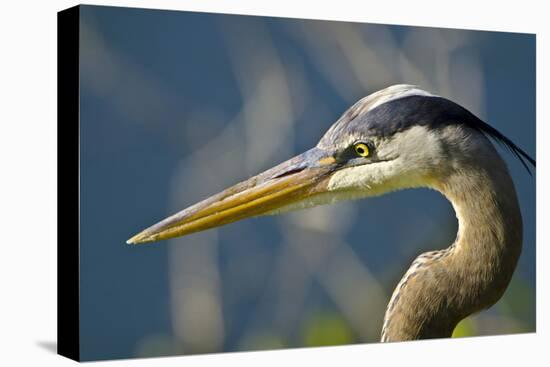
pixel 288 183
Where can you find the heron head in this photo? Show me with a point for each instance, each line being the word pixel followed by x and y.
pixel 399 137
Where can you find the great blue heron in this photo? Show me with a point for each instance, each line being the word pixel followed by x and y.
pixel 397 138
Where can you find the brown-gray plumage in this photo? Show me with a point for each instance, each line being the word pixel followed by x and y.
pixel 400 137
pixel 443 287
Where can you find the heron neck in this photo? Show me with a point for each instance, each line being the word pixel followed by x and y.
pixel 443 287
pixel 490 230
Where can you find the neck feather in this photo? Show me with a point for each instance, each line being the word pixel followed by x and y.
pixel 443 287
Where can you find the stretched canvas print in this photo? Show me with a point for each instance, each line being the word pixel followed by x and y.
pixel 237 183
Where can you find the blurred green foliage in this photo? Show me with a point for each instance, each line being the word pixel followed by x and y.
pixel 519 299
pixel 326 329
pixel 466 327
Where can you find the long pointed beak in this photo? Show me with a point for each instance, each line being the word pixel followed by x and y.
pixel 288 183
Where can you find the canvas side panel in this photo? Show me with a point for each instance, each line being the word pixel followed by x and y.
pixel 68 331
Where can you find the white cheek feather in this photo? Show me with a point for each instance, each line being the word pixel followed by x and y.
pixel 368 180
pixel 414 153
pixel 358 178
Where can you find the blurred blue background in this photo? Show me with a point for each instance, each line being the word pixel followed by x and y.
pixel 176 106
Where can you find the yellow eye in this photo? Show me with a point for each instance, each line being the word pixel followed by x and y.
pixel 361 149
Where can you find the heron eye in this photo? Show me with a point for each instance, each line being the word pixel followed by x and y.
pixel 361 149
